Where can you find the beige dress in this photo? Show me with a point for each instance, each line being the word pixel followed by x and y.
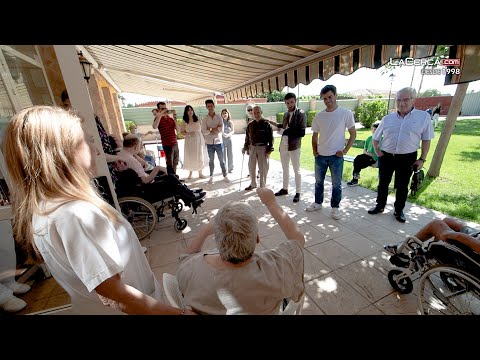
pixel 195 156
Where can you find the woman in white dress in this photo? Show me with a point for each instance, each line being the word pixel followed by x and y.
pixel 195 152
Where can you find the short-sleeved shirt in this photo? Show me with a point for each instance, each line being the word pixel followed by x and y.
pixel 167 127
pixel 82 248
pixel 403 135
pixel 370 148
pixel 259 287
pixel 331 126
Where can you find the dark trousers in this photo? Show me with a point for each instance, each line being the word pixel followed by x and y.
pixel 362 161
pixel 171 158
pixel 166 186
pixel 402 166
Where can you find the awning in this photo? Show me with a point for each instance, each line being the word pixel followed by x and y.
pixel 192 73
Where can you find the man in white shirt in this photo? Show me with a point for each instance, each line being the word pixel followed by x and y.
pixel 212 125
pixel 402 132
pixel 331 124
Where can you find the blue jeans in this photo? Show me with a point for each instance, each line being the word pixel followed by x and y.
pixel 212 149
pixel 335 164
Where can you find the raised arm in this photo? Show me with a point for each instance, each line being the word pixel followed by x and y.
pixel 289 228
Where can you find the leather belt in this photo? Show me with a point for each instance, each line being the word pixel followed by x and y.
pixel 390 154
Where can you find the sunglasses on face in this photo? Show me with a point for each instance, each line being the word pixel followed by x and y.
pixel 250 110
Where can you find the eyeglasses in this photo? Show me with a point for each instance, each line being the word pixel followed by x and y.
pixel 249 110
pixel 404 100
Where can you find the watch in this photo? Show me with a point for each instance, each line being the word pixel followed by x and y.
pixel 422 160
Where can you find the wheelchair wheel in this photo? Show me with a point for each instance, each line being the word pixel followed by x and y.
pixel 403 285
pixel 140 214
pixel 180 224
pixel 447 290
pixel 178 207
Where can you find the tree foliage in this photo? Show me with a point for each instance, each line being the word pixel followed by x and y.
pixel 430 93
pixel 273 96
pixel 370 111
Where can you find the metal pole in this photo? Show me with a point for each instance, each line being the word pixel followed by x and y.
pixel 389 94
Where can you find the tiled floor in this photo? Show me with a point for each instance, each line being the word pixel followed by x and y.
pixel 345 266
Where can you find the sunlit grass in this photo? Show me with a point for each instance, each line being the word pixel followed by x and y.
pixel 455 192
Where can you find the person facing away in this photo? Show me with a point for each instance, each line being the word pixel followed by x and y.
pixel 167 128
pixel 362 161
pixel 447 230
pixel 258 145
pixel 212 125
pixel 292 130
pixel 329 149
pixel 228 131
pixel 195 151
pixel 234 279
pixel 59 218
pixel 436 114
pixel 402 131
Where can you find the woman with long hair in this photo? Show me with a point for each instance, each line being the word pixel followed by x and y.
pixel 195 152
pixel 228 130
pixel 60 219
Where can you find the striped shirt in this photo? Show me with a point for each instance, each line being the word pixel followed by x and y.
pixel 167 127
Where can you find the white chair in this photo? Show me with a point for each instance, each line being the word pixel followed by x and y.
pixel 294 308
pixel 172 291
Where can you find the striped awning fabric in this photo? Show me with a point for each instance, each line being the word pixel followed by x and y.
pixel 192 73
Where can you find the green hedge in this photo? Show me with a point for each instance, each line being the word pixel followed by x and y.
pixel 310 115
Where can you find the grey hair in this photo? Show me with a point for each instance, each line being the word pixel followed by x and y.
pixel 410 90
pixel 236 231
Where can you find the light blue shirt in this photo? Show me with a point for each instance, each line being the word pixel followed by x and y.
pixel 403 135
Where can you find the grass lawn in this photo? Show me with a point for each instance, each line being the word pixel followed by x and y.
pixel 455 192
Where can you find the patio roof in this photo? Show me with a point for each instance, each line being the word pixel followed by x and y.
pixel 193 73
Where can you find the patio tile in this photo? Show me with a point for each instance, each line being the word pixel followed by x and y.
pixel 164 254
pixel 310 308
pixel 358 244
pixel 370 310
pixel 398 304
pixel 313 267
pixel 332 254
pixel 368 281
pixel 334 296
pixel 330 227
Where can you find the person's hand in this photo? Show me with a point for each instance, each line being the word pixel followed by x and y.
pixel 315 154
pixel 267 153
pixel 340 153
pixel 244 151
pixel 120 165
pixel 266 196
pixel 379 153
pixel 418 164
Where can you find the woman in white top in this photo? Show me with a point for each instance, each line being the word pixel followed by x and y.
pixel 195 152
pixel 59 218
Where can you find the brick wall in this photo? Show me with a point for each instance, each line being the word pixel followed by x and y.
pixel 430 102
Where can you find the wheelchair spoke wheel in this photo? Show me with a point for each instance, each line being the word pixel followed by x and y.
pixel 445 290
pixel 140 214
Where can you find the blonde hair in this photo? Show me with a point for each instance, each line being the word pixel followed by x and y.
pixel 236 230
pixel 40 147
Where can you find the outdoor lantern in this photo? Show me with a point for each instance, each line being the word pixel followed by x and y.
pixel 86 66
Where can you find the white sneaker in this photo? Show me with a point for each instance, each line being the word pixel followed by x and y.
pixel 13 304
pixel 336 213
pixel 314 207
pixel 226 179
pixel 211 180
pixel 18 288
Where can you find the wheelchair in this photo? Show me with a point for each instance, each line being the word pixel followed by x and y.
pixel 448 272
pixel 143 207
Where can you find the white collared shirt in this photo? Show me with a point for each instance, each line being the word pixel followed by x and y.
pixel 403 135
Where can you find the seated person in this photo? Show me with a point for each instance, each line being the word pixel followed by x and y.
pixel 157 182
pixel 445 230
pixel 233 278
pixel 362 161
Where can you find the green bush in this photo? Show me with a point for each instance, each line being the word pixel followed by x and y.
pixel 179 136
pixel 370 111
pixel 310 115
pixel 129 124
pixel 280 117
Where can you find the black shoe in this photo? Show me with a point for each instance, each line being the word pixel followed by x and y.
pixel 197 190
pixel 248 188
pixel 400 260
pixel 375 210
pixel 296 198
pixel 200 195
pixel 354 182
pixel 400 216
pixel 281 192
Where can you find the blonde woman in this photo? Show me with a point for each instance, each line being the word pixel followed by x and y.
pixel 59 218
pixel 195 156
pixel 228 130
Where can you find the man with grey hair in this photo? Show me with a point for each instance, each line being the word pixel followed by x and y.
pixel 402 131
pixel 233 279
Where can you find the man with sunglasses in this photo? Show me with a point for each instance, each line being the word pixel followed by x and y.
pixel 402 131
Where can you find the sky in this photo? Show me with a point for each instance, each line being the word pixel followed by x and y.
pixel 363 78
